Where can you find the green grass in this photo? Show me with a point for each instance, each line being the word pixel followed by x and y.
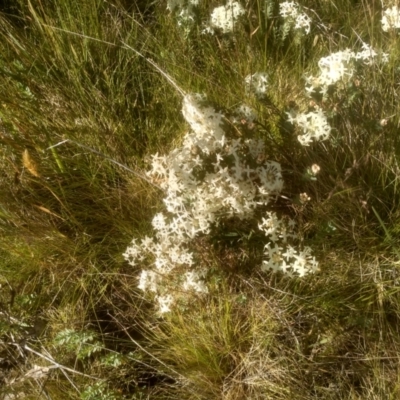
pixel 76 103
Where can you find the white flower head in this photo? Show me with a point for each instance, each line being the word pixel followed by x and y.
pixel 247 113
pixel 304 198
pixel 288 9
pixel 335 67
pixel 185 17
pixel 257 83
pixel 339 66
pixel 164 303
pixel 225 17
pixel 291 10
pixel 370 55
pixel 132 253
pixel 314 124
pixel 148 280
pixel 280 254
pixel 159 222
pixel 184 11
pixel 315 168
pixel 391 19
pixel 271 226
pixel 304 263
pixel 303 21
pixel 200 118
pixel 193 281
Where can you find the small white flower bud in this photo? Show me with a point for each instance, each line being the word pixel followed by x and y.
pixel 315 168
pixel 304 198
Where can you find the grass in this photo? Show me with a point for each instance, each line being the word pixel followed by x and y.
pixel 76 103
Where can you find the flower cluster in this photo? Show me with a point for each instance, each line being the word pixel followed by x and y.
pixel 163 254
pixel 215 174
pixel 281 256
pixel 257 83
pixel 212 176
pixel 312 172
pixel 339 66
pixel 391 19
pixel 184 9
pixel 245 114
pixel 291 11
pixel 335 67
pixel 225 17
pixel 314 124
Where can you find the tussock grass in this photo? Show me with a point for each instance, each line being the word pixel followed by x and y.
pixel 76 104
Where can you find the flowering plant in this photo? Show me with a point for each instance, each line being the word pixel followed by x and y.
pixel 214 175
pixel 314 125
pixel 340 66
pixel 291 11
pixel 224 18
pixel 257 83
pixel 391 19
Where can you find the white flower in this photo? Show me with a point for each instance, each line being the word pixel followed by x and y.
pixel 274 253
pixel 270 265
pixel 304 263
pixel 305 140
pixel 210 176
pixel 314 125
pixel 270 175
pixel 193 281
pixel 304 198
pixel 291 224
pixel 257 83
pixel 275 258
pixel 391 19
pixel 282 256
pixel 133 252
pixel 271 226
pixel 163 265
pixel 158 166
pixel 159 222
pixel 246 112
pixel 185 17
pixel 335 67
pixel 369 55
pixel 291 10
pixel 164 303
pixel 201 119
pixel 315 168
pixel 184 9
pixel 288 9
pixel 303 21
pixel 148 280
pixel 339 66
pixel 225 17
pixel 289 253
pixel 147 244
